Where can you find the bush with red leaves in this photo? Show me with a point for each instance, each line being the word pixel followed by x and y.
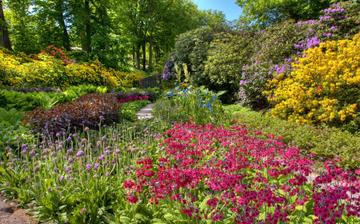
pixel 57 53
pixel 89 111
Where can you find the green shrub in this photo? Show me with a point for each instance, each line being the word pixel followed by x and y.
pixel 324 141
pixel 271 47
pixel 28 101
pixel 47 71
pixel 228 53
pixel 191 49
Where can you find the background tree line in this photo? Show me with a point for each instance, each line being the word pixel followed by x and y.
pixel 120 33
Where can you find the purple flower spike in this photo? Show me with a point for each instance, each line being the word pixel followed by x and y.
pixel 88 167
pixel 312 42
pixel 69 151
pixel 96 166
pixel 80 153
pixel 279 69
pixel 101 157
pixel 24 148
pixel 243 82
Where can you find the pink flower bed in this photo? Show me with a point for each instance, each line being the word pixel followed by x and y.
pixel 233 175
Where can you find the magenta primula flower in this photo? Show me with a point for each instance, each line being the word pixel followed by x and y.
pixel 242 171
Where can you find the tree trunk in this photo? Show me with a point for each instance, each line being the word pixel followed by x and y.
pixel 86 35
pixel 61 20
pixel 151 52
pixel 138 57
pixel 4 33
pixel 144 54
pixel 133 56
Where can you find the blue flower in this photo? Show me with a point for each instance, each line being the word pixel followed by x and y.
pixel 170 94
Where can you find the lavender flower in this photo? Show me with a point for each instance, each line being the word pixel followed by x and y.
pixel 69 139
pixel 61 178
pixel 325 18
pixel 24 148
pixel 279 69
pixel 96 166
pixel 101 157
pixel 68 169
pixel 312 42
pixel 80 153
pixel 167 72
pixel 88 167
pixel 328 35
pixel 307 22
pixel 70 151
pixel 243 82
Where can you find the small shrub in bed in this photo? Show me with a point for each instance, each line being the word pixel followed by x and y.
pixel 90 111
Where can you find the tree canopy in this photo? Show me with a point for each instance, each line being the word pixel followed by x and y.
pixel 117 32
pixel 265 12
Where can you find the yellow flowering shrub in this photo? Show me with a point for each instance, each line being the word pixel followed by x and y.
pixel 45 70
pixel 323 87
pixel 129 79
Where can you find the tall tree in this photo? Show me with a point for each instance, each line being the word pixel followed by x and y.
pixel 24 35
pixel 51 18
pixel 4 33
pixel 265 12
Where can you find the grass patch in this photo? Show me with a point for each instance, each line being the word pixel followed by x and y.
pixel 326 142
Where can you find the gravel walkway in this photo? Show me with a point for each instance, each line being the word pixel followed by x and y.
pixel 10 214
pixel 146 112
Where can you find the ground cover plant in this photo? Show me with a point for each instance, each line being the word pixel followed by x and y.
pixel 326 142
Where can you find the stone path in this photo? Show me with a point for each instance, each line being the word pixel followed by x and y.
pixel 146 112
pixel 10 214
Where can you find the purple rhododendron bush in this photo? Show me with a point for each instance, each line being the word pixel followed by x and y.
pixel 230 175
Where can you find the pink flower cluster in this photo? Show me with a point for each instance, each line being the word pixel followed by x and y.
pixel 251 177
pixel 129 97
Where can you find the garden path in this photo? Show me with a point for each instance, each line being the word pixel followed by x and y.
pixel 10 214
pixel 146 112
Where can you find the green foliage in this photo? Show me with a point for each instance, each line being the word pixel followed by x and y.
pixel 128 110
pixel 271 11
pixel 106 30
pixel 228 53
pixel 28 101
pixel 191 49
pixel 190 104
pixel 12 132
pixel 324 141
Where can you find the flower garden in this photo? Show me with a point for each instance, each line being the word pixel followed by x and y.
pixel 267 135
